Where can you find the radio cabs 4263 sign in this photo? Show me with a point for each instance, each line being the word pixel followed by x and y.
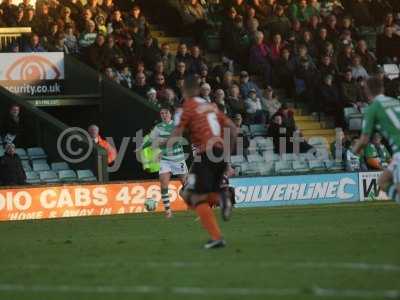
pixel 32 74
pixel 87 200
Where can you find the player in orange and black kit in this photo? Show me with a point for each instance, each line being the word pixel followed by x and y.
pixel 206 125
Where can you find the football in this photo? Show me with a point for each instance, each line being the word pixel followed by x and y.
pixel 150 204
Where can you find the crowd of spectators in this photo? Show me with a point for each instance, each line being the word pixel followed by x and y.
pixel 318 51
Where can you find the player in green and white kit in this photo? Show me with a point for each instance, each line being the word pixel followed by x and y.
pixel 172 160
pixel 383 115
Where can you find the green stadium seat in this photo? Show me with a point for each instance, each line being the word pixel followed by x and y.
pixel 49 177
pixel 334 166
pixel 264 144
pixel 86 176
pixel 39 167
pixel 1 151
pixel 60 166
pixel 267 168
pixel 67 176
pixel 258 130
pixel 288 157
pixel 300 166
pixel 283 167
pixel 253 169
pixel 21 153
pixel 355 124
pixel 32 178
pixel 26 165
pixel 270 156
pixel 318 142
pixel 36 153
pixel 317 165
pixel 255 158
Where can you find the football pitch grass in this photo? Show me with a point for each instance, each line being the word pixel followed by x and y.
pixel 308 252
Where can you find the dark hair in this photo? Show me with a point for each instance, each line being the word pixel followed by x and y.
pixel 167 107
pixel 375 85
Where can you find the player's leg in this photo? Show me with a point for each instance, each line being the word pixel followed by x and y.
pixel 200 186
pixel 390 179
pixel 165 177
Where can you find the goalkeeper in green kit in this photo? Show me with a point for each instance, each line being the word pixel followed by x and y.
pixel 172 160
pixel 383 115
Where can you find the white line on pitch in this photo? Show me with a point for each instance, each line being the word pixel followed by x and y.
pixel 356 266
pixel 200 291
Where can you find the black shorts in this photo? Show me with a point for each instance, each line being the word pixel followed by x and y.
pixel 206 175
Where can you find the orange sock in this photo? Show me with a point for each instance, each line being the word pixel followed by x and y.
pixel 208 220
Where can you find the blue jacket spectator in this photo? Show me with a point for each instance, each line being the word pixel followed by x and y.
pixel 34 45
pixel 246 85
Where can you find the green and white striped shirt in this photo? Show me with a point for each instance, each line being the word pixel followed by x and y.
pixel 162 131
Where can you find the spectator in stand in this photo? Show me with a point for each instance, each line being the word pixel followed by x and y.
pixel 330 100
pixel 205 92
pixel 388 47
pixel 259 59
pixel 150 52
pixel 94 133
pixel 389 21
pixel 136 19
pixel 11 129
pixel 272 104
pixel 117 23
pixel 183 54
pixel 279 23
pixel 299 10
pixel 110 74
pixel 195 18
pixel 284 72
pixel 235 101
pixel 88 36
pixel 368 59
pixel 246 85
pixel 348 89
pixel 361 13
pixel 159 84
pixel 275 48
pixel 376 155
pixel 124 77
pixel 219 100
pixel 327 67
pixel 254 109
pixel 168 59
pixel 152 97
pixel 34 45
pixel 345 58
pixel 70 40
pixel 264 10
pixel 357 69
pixel 277 131
pixel 140 85
pixel 353 161
pixel 236 41
pixel 9 11
pixel 11 169
pixel 168 97
pixel 287 117
pixel 96 52
pixel 243 141
pixel 179 73
pixel 196 60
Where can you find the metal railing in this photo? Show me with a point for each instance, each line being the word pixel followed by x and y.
pixel 9 35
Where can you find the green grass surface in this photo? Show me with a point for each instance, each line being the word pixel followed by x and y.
pixel 324 252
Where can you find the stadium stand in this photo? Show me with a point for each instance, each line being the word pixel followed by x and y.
pixel 294 64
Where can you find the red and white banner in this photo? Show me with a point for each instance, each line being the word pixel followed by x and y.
pixel 84 200
pixel 32 74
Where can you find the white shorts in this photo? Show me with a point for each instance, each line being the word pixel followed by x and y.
pixel 173 167
pixel 394 168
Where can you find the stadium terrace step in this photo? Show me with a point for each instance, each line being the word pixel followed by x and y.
pixel 158 33
pixel 304 118
pixel 169 40
pixel 318 132
pixel 305 125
